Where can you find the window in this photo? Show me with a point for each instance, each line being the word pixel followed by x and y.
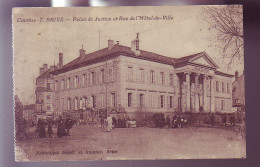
pixel 76 103
pixel 48 107
pixel 62 84
pixel 92 78
pixel 56 85
pixel 228 88
pixel 171 102
pixel 113 99
pixel 76 81
pixel 48 85
pixel 161 101
pixel 171 80
pixel 84 79
pixel 69 104
pixel 152 77
pixel 222 105
pixel 48 97
pixel 162 78
pixel 94 101
pixel 129 99
pixel 68 83
pixel 223 87
pixel 217 86
pixel 130 73
pixel 141 75
pixel 80 103
pixel 85 105
pixel 141 100
pixel 102 76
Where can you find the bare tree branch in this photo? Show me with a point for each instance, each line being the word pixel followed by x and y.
pixel 227 23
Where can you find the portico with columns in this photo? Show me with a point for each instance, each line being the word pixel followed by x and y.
pixel 196 86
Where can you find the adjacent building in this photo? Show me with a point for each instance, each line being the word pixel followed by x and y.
pixel 127 79
pixel 238 92
pixel 44 92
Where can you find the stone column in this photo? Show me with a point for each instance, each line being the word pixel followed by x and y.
pixel 196 91
pixel 205 78
pixel 188 91
pixel 212 94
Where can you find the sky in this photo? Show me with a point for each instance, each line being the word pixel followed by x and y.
pixel 38 43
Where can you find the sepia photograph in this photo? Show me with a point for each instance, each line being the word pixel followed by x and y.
pixel 129 83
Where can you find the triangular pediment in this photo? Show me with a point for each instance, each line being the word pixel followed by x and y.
pixel 204 59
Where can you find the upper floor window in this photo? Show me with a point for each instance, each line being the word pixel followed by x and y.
pixel 152 76
pixel 223 87
pixel 171 80
pixel 217 86
pixel 162 78
pixel 141 75
pixel 102 76
pixel 68 83
pixel 222 105
pixel 76 81
pixel 228 88
pixel 92 78
pixel 62 84
pixel 48 85
pixel 130 73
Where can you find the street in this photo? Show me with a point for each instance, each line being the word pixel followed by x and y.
pixel 90 143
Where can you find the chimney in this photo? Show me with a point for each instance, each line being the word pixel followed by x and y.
pixel 110 44
pixel 60 60
pixel 82 52
pixel 135 43
pixel 43 69
pixel 236 75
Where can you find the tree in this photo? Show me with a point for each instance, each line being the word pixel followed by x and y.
pixel 227 23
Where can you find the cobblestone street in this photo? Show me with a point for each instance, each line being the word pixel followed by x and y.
pixel 88 143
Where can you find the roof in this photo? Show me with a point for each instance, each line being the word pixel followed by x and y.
pixel 47 73
pixel 103 54
pixel 116 50
pixel 29 107
pixel 224 74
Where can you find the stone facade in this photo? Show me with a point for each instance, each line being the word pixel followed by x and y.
pixel 127 79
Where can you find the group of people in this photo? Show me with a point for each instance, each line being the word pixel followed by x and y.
pixel 161 122
pixel 63 127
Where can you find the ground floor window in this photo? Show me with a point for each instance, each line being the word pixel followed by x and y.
pixel 171 101
pixel 94 101
pixel 113 99
pixel 222 104
pixel 129 99
pixel 161 101
pixel 141 100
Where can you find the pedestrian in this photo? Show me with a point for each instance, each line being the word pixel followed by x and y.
pixel 224 120
pixel 68 125
pixel 109 123
pixel 61 128
pixel 174 121
pixel 232 120
pixel 212 119
pixel 49 131
pixel 41 128
pixel 179 123
pixel 168 121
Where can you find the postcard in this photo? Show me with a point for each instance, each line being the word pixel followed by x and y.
pixel 126 83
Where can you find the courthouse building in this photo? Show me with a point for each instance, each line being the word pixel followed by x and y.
pixel 128 79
